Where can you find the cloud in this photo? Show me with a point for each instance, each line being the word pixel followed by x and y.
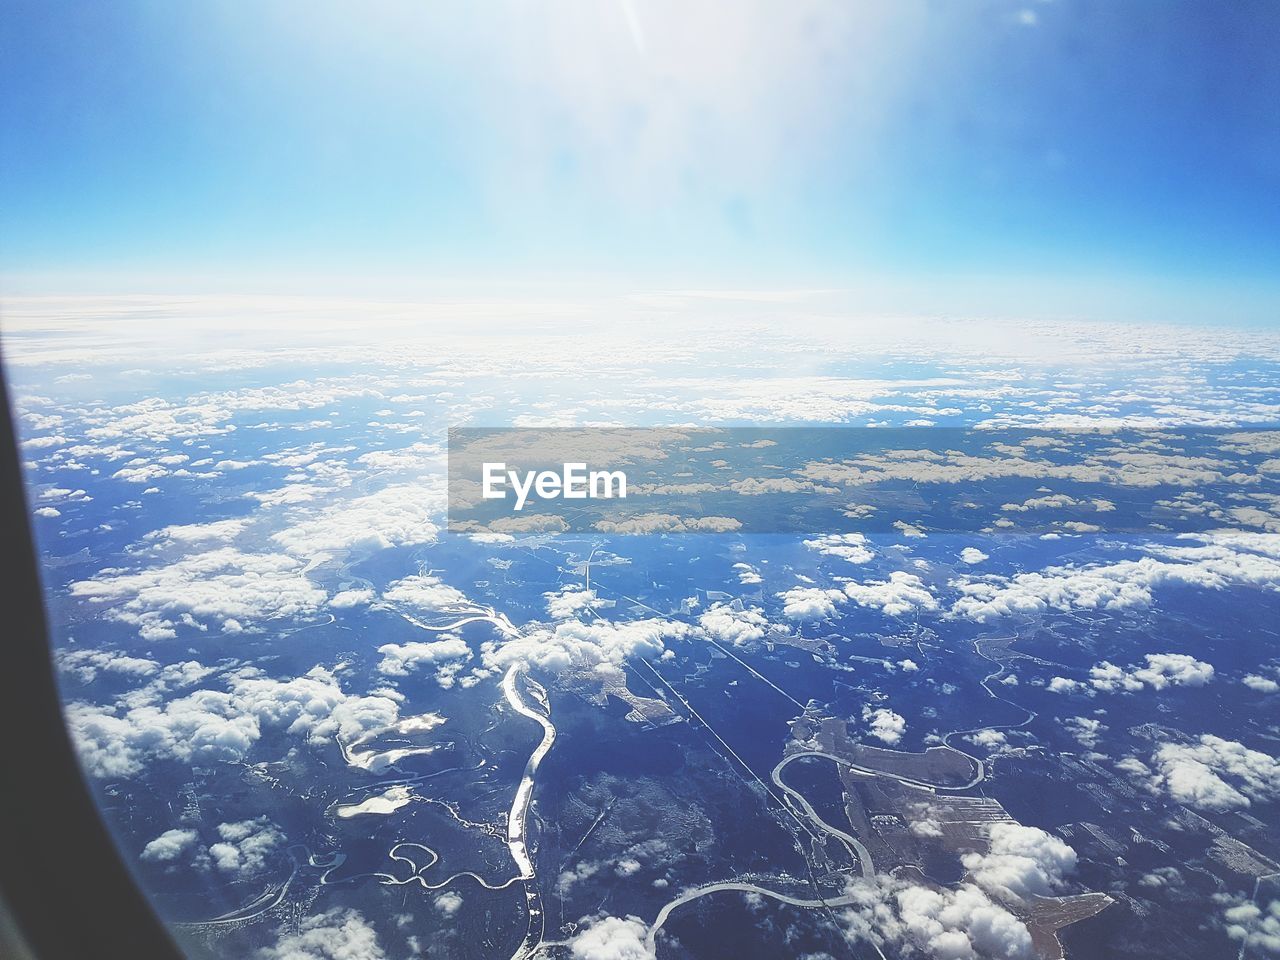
pixel 1140 469
pixel 223 530
pixel 972 555
pixel 1064 685
pixel 345 599
pixel 516 526
pixel 424 592
pixel 1051 502
pixel 610 938
pixel 810 603
pixel 1086 730
pixel 401 515
pixel 85 665
pixel 847 546
pixel 627 867
pixel 987 738
pixel 209 726
pixel 1021 862
pixel 400 659
pixel 1255 928
pixel 962 924
pixel 568 879
pixel 1162 670
pixel 1262 684
pixel 885 725
pixel 448 903
pixel 245 846
pixel 1173 669
pixel 1161 877
pixel 737 625
pixel 668 523
pixel 209 588
pixel 567 602
pixel 927 827
pixel 572 644
pixel 1215 774
pixel 168 846
pixel 1127 584
pixel 337 934
pixel 203 727
pixel 901 594
pixel 313 706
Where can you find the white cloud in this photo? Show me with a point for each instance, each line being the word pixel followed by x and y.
pixel 398 660
pixel 1262 684
pixel 901 594
pixel 568 879
pixel 847 546
pixel 610 938
pixel 337 934
pixel 224 530
pixel 203 727
pixel 1256 928
pixel 512 527
pixel 627 867
pixel 168 846
pixel 1118 586
pixel 85 665
pixel 246 846
pixel 972 555
pixel 885 725
pixel 1173 669
pixel 313 706
pixel 210 587
pixel 1064 685
pixel 567 602
pixel 1021 862
pixel 400 515
pixel 927 827
pixel 1215 774
pixel 810 603
pixel 1162 670
pixel 1050 502
pixel 735 625
pixel 424 592
pixel 668 523
pixel 345 599
pixel 1086 730
pixel 987 738
pixel 448 903
pixel 209 726
pixel 905 919
pixel 582 645
pixel 1161 877
pixel 1108 677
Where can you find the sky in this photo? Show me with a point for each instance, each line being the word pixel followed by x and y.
pixel 1089 158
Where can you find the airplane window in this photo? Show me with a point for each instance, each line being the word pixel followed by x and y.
pixel 643 479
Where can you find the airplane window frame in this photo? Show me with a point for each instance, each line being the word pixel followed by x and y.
pixel 65 890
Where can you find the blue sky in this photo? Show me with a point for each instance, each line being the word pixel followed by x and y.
pixel 1024 157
